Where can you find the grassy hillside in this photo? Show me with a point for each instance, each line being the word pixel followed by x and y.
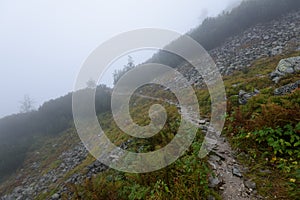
pixel 55 116
pixel 252 129
pixel 186 178
pixel 19 131
pixel 264 132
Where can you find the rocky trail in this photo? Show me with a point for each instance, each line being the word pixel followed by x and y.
pixel 228 176
pixel 229 179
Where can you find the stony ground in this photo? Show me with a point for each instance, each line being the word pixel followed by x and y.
pixel 229 177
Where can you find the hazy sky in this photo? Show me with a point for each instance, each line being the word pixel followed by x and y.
pixel 43 43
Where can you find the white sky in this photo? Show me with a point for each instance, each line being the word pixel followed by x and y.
pixel 44 42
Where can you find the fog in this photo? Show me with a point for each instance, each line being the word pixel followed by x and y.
pixel 44 43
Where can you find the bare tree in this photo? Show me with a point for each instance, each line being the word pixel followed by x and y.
pixel 27 105
pixel 119 73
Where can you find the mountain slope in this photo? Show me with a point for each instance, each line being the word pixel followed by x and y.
pixel 62 165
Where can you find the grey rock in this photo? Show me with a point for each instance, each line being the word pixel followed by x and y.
pixel 250 184
pixel 256 91
pixel 244 96
pixel 236 172
pixel 210 197
pixel 214 158
pixel 55 196
pixel 18 189
pixel 242 92
pixel 20 197
pixel 277 50
pixel 286 89
pixel 203 127
pixel 284 67
pixel 54 180
pixel 213 182
pixel 276 79
pixel 222 157
pixel 9 197
pixel 212 164
pixel 297 68
pixel 266 37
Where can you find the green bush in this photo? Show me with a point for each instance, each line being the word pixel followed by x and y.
pixel 283 141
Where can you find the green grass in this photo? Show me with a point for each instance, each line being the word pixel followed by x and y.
pixel 187 178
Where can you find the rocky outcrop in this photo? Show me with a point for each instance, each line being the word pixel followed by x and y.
pixel 244 96
pixel 285 67
pixel 286 89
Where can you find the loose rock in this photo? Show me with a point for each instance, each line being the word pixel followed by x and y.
pixel 236 172
pixel 250 184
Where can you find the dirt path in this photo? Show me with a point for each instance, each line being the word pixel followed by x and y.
pixel 229 174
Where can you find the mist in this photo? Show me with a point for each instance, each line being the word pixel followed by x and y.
pixel 44 43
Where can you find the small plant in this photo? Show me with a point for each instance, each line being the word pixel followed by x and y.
pixel 160 190
pixel 283 141
pixel 136 191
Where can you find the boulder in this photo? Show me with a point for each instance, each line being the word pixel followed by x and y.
pixel 213 182
pixel 250 184
pixel 285 67
pixel 244 96
pixel 286 89
pixel 236 172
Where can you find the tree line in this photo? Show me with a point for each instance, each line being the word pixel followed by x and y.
pixel 53 117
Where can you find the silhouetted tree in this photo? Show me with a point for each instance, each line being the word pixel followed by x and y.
pixel 26 104
pixel 119 73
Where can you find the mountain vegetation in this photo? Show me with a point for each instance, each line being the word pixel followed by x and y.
pixel 17 132
pixel 264 132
